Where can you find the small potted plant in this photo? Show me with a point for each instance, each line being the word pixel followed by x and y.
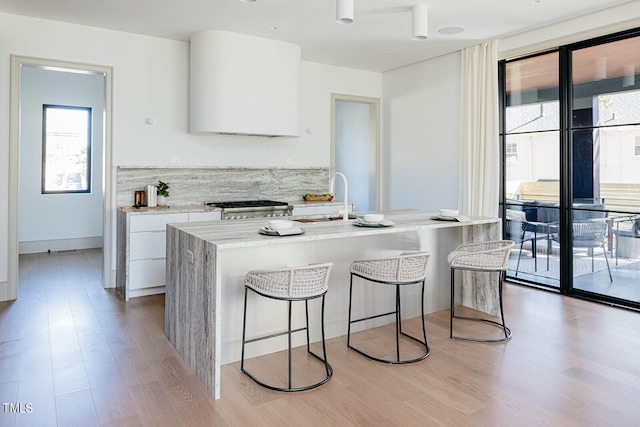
pixel 163 193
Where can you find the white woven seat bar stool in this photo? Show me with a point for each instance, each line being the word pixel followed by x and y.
pixel 289 284
pixel 406 269
pixel 492 256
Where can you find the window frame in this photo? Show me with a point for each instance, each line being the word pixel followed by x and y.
pixel 89 110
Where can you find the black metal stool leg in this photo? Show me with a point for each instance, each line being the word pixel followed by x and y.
pixel 398 319
pixel 503 326
pixel 324 345
pixel 289 341
pixel 453 303
pixel 501 280
pixel 244 328
pixel 398 323
pixel 289 332
pixel 349 323
pixel 424 328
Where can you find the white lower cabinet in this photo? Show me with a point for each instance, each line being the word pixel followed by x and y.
pixel 142 249
pixel 147 245
pixel 146 274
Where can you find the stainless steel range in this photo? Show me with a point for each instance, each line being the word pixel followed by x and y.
pixel 244 209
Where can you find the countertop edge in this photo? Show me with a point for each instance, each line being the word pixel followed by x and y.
pixel 245 233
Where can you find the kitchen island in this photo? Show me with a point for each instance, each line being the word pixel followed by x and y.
pixel 207 261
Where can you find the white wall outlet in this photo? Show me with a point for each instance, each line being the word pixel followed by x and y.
pixel 174 159
pixel 190 256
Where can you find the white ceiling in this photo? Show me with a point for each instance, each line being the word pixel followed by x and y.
pixel 378 40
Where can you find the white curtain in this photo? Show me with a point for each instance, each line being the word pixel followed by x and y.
pixel 479 149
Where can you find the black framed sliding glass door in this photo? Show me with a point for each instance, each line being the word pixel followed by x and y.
pixel 605 136
pixel 571 168
pixel 531 166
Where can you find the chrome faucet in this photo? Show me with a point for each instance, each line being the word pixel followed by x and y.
pixel 332 189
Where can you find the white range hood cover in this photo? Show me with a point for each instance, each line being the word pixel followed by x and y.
pixel 244 85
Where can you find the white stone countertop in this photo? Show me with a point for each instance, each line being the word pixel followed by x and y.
pixel 167 209
pixel 245 233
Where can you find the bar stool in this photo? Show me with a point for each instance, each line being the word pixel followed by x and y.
pixel 492 256
pixel 406 269
pixel 289 284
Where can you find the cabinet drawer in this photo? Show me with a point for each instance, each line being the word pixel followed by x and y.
pixel 205 216
pixel 146 273
pixel 148 244
pixel 155 222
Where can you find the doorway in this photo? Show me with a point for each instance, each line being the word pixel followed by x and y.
pixel 355 148
pixel 103 190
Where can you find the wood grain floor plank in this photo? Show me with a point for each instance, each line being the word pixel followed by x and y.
pixel 113 404
pixel 180 385
pixel 153 406
pixel 69 373
pixel 569 363
pixel 76 409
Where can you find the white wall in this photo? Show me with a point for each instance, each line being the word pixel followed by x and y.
pixel 421 110
pixel 585 27
pixel 150 79
pixel 46 217
pixel 421 116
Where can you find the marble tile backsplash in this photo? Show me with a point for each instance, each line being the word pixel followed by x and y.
pixel 192 186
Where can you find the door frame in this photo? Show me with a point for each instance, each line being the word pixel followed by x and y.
pixel 374 121
pixel 14 164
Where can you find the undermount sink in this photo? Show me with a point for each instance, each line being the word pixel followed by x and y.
pixel 314 219
pixel 325 218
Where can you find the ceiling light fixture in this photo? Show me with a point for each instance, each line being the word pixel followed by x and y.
pixel 451 30
pixel 344 11
pixel 420 22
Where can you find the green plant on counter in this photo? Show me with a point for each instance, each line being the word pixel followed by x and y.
pixel 163 189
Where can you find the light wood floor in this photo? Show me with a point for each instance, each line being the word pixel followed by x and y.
pixel 81 357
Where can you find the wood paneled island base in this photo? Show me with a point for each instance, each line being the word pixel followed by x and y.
pixel 206 264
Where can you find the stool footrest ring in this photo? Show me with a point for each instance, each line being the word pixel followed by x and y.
pixel 293 389
pixel 396 362
pixel 507 331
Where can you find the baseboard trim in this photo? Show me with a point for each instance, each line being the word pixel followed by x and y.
pixel 133 293
pixel 4 291
pixel 40 246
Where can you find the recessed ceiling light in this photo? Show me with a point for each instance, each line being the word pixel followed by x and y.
pixel 451 30
pixel 248 1
pixel 273 28
pixel 391 51
pixel 536 1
